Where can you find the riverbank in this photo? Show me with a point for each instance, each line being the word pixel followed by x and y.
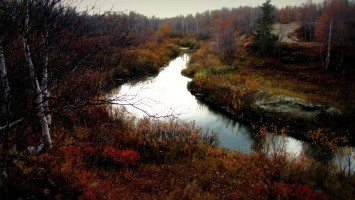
pixel 147 60
pixel 111 155
pixel 169 160
pixel 289 90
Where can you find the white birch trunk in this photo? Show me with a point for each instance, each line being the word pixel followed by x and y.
pixel 5 82
pixel 329 44
pixel 39 96
pixel 45 92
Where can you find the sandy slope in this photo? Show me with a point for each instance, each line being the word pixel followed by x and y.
pixel 285 31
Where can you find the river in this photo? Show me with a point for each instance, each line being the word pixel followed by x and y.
pixel 166 95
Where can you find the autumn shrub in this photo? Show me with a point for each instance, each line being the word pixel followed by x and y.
pixel 175 34
pixel 219 83
pixel 323 145
pixel 147 60
pixel 192 70
pixel 333 163
pixel 191 191
pixel 189 43
pixel 201 60
pixel 28 176
pixel 168 141
pixel 137 67
pixel 172 51
pixel 225 91
pixel 203 36
pixel 313 174
pixel 290 53
pixel 282 175
pixel 99 155
pixel 148 65
pixel 281 190
pixel 73 179
pixel 88 171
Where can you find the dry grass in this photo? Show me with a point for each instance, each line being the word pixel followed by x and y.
pixel 121 159
pixel 293 70
pixel 172 160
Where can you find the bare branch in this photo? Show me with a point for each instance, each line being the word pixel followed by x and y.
pixel 10 125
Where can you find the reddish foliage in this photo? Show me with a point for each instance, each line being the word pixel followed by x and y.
pixel 84 186
pixel 282 190
pixel 107 154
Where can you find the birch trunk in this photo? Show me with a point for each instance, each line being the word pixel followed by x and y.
pixel 38 93
pixel 46 93
pixel 44 87
pixel 329 44
pixel 5 83
pixel 44 83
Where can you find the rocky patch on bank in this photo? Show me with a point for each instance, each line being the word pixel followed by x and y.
pixel 279 109
pixel 293 109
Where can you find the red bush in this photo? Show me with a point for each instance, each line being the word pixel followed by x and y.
pixel 281 190
pixel 90 152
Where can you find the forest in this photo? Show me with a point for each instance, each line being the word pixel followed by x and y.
pixel 282 71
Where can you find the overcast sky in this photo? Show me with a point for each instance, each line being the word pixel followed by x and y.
pixel 171 8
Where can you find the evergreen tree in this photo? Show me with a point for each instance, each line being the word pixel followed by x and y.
pixel 264 39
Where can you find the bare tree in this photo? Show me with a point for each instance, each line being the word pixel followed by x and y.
pixel 68 57
pixel 6 23
pixel 225 38
pixel 40 90
pixel 308 15
pixel 334 31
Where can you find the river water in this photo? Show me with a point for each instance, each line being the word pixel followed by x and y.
pixel 167 95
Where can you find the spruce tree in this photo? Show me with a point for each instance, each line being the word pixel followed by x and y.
pixel 264 39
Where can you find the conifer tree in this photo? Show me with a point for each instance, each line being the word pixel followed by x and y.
pixel 264 39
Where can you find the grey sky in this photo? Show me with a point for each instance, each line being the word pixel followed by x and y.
pixel 170 8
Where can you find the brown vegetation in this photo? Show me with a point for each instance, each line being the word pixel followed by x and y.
pixel 293 70
pixel 100 154
pixel 166 160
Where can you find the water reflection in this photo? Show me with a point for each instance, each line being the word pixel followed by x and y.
pixel 167 95
pixel 343 158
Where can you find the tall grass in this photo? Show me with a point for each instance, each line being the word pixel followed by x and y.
pixel 285 176
pixel 170 141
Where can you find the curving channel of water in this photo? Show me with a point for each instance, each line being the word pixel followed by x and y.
pixel 167 95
